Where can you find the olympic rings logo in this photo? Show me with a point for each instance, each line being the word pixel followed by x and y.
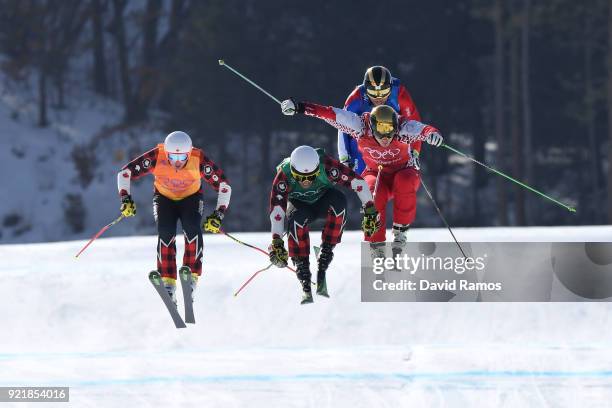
pixel 382 155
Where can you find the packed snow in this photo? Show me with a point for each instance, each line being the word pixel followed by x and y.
pixel 96 324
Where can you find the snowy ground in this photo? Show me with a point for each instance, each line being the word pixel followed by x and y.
pixel 96 325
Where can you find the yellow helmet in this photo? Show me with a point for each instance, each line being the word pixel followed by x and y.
pixel 384 121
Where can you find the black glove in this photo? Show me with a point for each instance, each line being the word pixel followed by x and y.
pixel 371 219
pixel 212 223
pixel 128 206
pixel 278 253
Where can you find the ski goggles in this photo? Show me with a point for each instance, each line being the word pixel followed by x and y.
pixel 378 93
pixel 177 157
pixel 305 177
pixel 384 130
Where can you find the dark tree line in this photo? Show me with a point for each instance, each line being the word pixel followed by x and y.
pixel 525 86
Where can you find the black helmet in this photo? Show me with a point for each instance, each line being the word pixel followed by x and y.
pixel 384 121
pixel 377 81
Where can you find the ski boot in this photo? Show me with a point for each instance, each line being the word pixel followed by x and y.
pixel 194 284
pixel 170 286
pixel 400 238
pixel 303 274
pixel 325 258
pixel 377 250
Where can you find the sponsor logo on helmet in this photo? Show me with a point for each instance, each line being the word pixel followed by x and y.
pixel 146 163
pixel 207 170
pixel 334 173
pixel 282 186
pixel 215 177
pixel 137 168
pixel 344 177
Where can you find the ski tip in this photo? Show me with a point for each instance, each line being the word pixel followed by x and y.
pixel 221 62
pixel 571 209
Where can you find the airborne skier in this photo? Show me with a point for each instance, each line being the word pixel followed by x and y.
pixel 178 168
pixel 384 139
pixel 378 88
pixel 306 180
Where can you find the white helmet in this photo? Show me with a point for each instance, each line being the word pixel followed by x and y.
pixel 304 160
pixel 178 142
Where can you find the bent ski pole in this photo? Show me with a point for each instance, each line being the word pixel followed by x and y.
pixel 100 233
pixel 223 64
pixel 442 216
pixel 567 207
pixel 251 278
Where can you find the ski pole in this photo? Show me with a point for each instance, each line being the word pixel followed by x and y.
pixel 380 167
pixel 251 246
pixel 223 64
pixel 100 233
pixel 251 278
pixel 257 249
pixel 442 216
pixel 567 207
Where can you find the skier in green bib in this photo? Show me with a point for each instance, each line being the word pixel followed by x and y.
pixel 307 181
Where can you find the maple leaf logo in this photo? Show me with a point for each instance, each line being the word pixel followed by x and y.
pixel 277 217
pixel 359 189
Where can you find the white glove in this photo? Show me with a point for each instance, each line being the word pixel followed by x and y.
pixel 435 139
pixel 414 161
pixel 289 107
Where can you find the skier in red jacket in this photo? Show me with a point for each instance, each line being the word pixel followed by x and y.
pixel 384 140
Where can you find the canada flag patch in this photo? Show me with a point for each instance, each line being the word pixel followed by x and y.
pixel 359 189
pixel 224 190
pixel 277 217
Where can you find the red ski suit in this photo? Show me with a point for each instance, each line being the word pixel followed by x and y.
pixel 398 179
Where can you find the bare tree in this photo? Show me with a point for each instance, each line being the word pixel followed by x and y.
pixel 502 212
pixel 515 119
pixel 98 47
pixel 527 144
pixel 609 111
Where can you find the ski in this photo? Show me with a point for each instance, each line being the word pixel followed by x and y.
pixel 185 276
pixel 156 281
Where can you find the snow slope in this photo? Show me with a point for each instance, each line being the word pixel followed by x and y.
pixel 95 324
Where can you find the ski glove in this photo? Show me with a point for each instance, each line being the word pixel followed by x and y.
pixel 348 162
pixel 278 253
pixel 128 206
pixel 371 219
pixel 435 138
pixel 212 223
pixel 414 161
pixel 290 107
